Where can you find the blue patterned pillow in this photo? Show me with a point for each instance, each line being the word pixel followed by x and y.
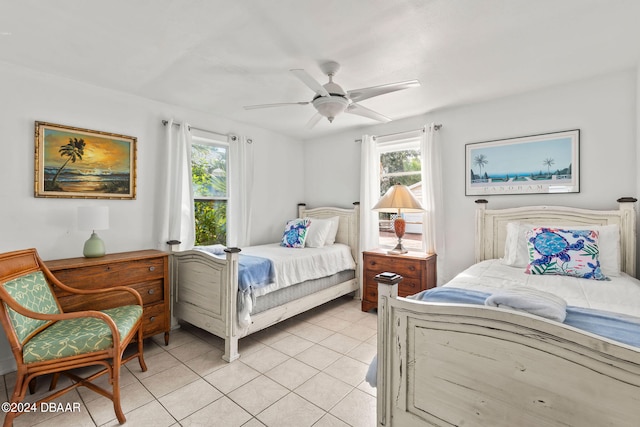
pixel 564 252
pixel 295 233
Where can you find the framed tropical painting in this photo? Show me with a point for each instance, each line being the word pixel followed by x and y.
pixel 73 162
pixel 545 163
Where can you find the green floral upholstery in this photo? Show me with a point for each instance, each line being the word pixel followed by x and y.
pixel 32 292
pixel 79 336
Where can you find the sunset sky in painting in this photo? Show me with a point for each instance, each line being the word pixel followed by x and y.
pixel 100 153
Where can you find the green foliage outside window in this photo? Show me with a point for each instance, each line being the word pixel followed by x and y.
pixel 209 180
pixel 395 165
pixel 211 222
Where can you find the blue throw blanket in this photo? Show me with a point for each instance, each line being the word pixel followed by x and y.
pixel 254 272
pixel 618 327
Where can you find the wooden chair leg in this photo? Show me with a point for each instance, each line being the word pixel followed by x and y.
pixel 32 386
pixel 54 381
pixel 19 391
pixel 143 365
pixel 116 392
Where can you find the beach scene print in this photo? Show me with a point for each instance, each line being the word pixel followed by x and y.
pixel 78 162
pixel 543 165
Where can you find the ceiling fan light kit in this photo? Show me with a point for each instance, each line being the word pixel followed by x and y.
pixel 330 106
pixel 330 99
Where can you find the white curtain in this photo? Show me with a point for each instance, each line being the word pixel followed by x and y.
pixel 240 184
pixel 432 197
pixel 369 193
pixel 178 220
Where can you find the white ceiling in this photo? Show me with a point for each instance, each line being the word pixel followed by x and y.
pixel 218 55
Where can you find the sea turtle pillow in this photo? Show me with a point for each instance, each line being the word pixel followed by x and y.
pixel 564 252
pixel 295 233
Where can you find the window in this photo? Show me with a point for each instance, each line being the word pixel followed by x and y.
pixel 209 160
pixel 400 163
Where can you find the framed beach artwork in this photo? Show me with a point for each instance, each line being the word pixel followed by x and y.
pixel 545 163
pixel 73 162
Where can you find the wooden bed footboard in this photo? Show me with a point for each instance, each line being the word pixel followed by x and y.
pixel 453 364
pixel 203 294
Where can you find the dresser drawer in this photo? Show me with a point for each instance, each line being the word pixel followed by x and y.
pixel 151 292
pixel 154 320
pixel 113 274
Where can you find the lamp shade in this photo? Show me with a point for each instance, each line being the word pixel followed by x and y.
pixel 398 197
pixel 93 218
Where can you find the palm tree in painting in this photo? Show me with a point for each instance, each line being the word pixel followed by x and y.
pixel 548 162
pixel 74 150
pixel 480 160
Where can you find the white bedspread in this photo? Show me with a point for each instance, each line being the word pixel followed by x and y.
pixel 621 294
pixel 295 265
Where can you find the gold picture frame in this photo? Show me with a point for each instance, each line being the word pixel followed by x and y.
pixel 72 162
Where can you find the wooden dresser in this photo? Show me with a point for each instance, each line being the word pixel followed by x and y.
pixel 417 269
pixel 145 271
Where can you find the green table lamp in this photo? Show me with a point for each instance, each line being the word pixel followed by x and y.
pixel 93 218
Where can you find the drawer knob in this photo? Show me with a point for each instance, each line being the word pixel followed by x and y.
pixel 152 269
pixel 152 319
pixel 151 291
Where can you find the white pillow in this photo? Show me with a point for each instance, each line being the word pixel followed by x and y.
pixel 516 252
pixel 317 232
pixel 331 237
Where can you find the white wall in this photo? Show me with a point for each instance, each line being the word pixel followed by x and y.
pixel 50 225
pixel 603 108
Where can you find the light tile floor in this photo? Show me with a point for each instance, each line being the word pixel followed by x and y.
pixel 306 371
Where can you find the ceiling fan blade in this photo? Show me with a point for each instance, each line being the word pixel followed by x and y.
pixel 310 81
pixel 365 112
pixel 280 104
pixel 313 121
pixel 369 92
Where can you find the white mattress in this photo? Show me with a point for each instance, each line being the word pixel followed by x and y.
pixel 296 265
pixel 621 294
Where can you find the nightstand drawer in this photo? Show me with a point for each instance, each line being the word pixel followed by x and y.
pixel 393 263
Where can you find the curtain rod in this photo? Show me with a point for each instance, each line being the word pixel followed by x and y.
pixel 435 127
pixel 166 122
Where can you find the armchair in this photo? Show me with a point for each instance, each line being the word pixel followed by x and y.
pixel 46 340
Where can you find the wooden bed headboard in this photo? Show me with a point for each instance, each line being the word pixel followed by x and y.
pixel 348 229
pixel 491 226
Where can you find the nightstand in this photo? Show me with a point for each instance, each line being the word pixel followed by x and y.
pixel 418 270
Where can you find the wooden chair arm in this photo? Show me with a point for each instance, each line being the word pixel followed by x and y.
pixel 54 280
pixel 114 289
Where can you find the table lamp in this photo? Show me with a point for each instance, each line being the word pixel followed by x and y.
pixel 93 218
pixel 398 199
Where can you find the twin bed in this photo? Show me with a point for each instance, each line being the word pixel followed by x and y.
pixel 209 291
pixel 468 363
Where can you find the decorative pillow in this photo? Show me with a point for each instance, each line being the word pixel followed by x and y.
pixel 295 233
pixel 564 252
pixel 516 252
pixel 317 232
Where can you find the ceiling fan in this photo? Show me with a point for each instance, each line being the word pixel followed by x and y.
pixel 330 99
